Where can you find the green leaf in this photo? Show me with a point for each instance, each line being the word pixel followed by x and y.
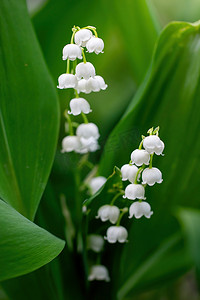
pixel 140 30
pixel 29 113
pixel 169 98
pixel 190 222
pixel 24 246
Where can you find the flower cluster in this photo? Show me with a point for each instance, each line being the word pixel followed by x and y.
pixel 83 79
pixel 140 173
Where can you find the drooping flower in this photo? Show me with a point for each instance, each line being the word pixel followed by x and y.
pixel 95 242
pixel 82 37
pixel 95 44
pixel 151 175
pixel 66 81
pixel 70 143
pixel 99 272
pixel 87 131
pixel 89 145
pixel 83 86
pixel 85 70
pixel 153 144
pixel 140 157
pixel 116 234
pixel 79 105
pixel 97 83
pixel 96 183
pixel 139 209
pixel 71 52
pixel 129 172
pixel 108 213
pixel 134 191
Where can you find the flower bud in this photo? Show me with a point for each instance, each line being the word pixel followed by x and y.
pixel 66 81
pixel 85 70
pixel 96 84
pixel 96 183
pixel 79 105
pixel 129 172
pixel 151 176
pixel 82 37
pixel 71 52
pixel 140 157
pixel 134 191
pixel 88 130
pixel 88 145
pixel 95 44
pixel 139 209
pixel 116 234
pixel 153 144
pixel 99 272
pixel 95 242
pixel 70 143
pixel 108 213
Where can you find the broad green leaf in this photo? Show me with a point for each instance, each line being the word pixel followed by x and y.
pixel 24 246
pixel 169 97
pixel 190 222
pixel 139 29
pixel 29 114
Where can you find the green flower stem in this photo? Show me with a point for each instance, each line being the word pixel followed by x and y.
pixel 151 161
pixel 130 162
pixel 68 66
pixel 84 58
pixel 71 131
pixel 74 30
pixel 76 93
pixel 85 162
pixel 116 196
pixel 85 119
pixel 138 172
pixel 124 211
pixel 140 146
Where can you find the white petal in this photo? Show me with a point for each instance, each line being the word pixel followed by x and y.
pixel 140 157
pixel 87 130
pixel 139 209
pixel 96 183
pixel 153 144
pixel 79 105
pixel 83 86
pixel 122 234
pixel 67 81
pixel 82 36
pixel 129 172
pixel 134 191
pixel 99 272
pixel 85 70
pixel 95 44
pixel 114 213
pixel 151 175
pixel 70 143
pixel 72 51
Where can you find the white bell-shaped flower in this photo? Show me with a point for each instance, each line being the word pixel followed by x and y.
pixel 134 191
pixel 70 143
pixel 84 86
pixel 116 234
pixel 96 183
pixel 85 70
pixel 82 37
pixel 99 272
pixel 95 242
pixel 102 84
pixel 140 157
pixel 108 213
pixel 79 105
pixel 151 175
pixel 72 52
pixel 66 81
pixel 89 145
pixel 139 209
pixel 95 45
pixel 96 84
pixel 129 172
pixel 88 130
pixel 153 144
